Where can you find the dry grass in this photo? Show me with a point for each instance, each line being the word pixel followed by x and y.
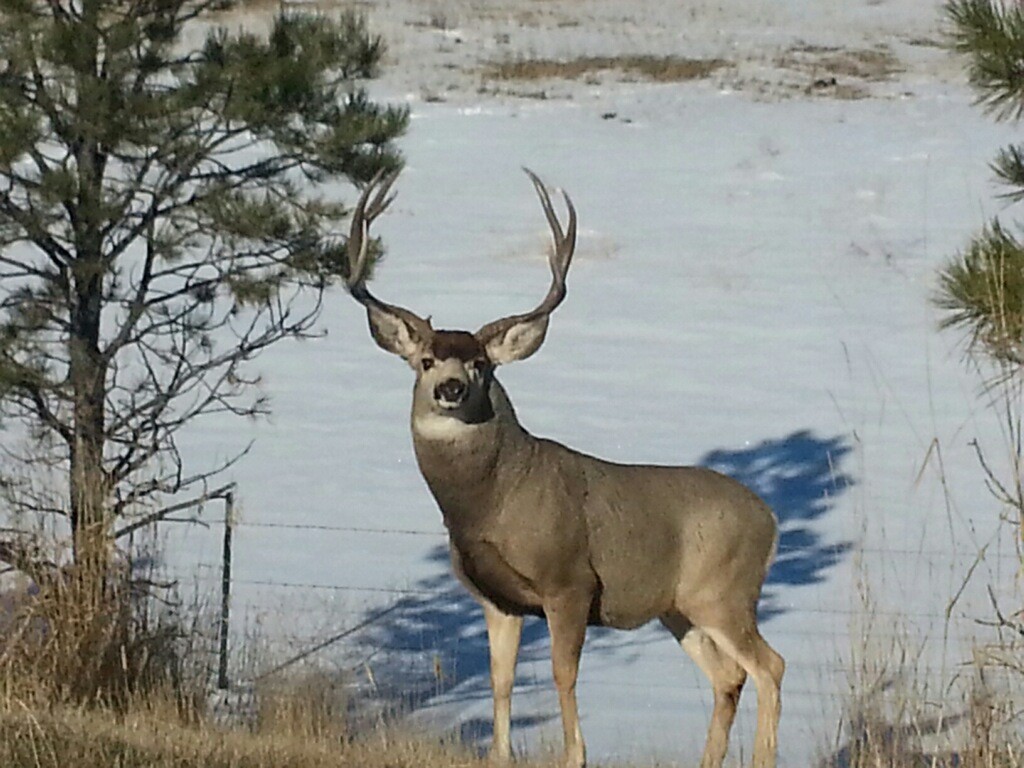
pixel 898 725
pixel 99 738
pixel 108 685
pixel 660 69
pixel 258 5
pixel 832 88
pixel 926 42
pixel 111 687
pixel 310 704
pixel 900 711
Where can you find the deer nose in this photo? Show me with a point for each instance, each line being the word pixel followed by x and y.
pixel 450 390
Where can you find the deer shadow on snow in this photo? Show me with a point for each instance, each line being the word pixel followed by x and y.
pixel 433 648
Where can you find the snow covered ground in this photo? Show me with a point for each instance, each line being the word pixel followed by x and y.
pixel 751 292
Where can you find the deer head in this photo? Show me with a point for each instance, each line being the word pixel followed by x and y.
pixel 454 369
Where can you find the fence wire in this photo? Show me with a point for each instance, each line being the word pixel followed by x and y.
pixel 838 625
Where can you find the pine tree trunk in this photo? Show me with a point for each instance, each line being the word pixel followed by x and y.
pixel 90 525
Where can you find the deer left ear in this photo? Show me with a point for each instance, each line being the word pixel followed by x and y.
pixel 516 341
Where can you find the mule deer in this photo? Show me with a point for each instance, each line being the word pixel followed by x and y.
pixel 537 528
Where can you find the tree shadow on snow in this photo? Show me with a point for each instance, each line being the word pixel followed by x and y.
pixel 799 476
pixel 433 648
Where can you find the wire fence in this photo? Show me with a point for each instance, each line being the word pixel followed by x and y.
pixel 833 621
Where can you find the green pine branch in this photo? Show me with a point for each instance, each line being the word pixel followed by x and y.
pixel 991 35
pixel 162 219
pixel 982 291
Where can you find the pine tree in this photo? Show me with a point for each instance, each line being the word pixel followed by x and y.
pixel 982 289
pixel 167 212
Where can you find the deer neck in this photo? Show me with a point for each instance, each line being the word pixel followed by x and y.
pixel 467 464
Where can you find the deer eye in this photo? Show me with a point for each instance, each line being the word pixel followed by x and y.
pixel 480 364
pixel 427 363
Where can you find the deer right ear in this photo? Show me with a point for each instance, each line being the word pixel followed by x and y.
pixel 394 334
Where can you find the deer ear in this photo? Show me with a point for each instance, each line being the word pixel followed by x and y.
pixel 393 334
pixel 516 341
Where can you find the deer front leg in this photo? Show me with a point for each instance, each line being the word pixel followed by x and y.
pixel 503 633
pixel 567 624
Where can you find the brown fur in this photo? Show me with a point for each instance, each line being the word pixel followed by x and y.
pixel 459 345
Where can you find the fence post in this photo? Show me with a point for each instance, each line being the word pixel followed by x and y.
pixel 225 591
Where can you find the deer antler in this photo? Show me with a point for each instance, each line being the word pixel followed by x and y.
pixel 373 202
pixel 559 260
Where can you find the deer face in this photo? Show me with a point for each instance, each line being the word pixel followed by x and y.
pixel 454 369
pixel 453 374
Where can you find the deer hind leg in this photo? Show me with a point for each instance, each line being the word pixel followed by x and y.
pixel 727 678
pixel 503 634
pixel 740 639
pixel 567 624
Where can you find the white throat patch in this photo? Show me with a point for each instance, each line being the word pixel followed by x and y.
pixel 433 426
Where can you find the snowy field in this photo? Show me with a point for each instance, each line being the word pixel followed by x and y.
pixel 750 292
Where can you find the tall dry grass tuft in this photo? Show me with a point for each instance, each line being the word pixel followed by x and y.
pixel 904 722
pixel 901 711
pixel 306 704
pixel 897 713
pixel 64 642
pixel 120 681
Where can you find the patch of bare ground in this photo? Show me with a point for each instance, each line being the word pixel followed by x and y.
pixel 660 69
pixel 774 90
pixel 832 88
pixel 925 42
pixel 822 62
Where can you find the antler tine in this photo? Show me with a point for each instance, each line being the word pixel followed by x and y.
pixel 365 212
pixel 381 200
pixel 545 201
pixel 559 261
pixel 374 200
pixel 564 242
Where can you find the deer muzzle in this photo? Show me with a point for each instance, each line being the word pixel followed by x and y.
pixel 451 393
